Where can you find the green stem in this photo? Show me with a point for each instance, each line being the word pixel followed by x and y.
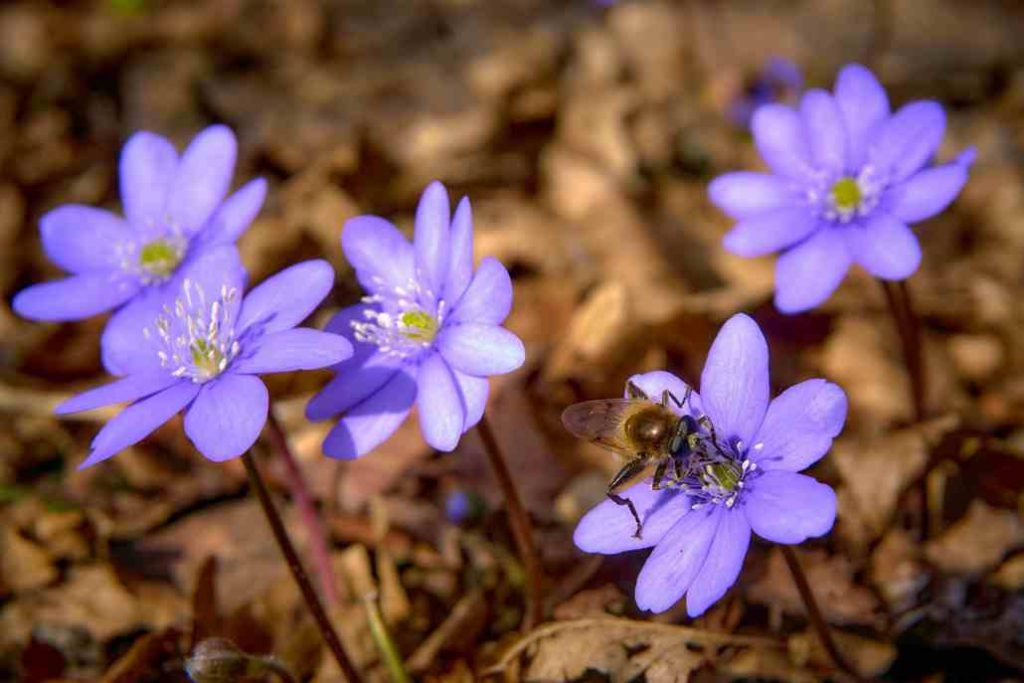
pixel 382 639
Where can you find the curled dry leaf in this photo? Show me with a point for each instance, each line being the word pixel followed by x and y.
pixel 977 542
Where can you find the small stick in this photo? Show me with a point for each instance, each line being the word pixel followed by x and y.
pixel 817 620
pixel 330 637
pixel 519 521
pixel 307 510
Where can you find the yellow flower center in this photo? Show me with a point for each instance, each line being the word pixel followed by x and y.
pixel 418 326
pixel 846 194
pixel 159 258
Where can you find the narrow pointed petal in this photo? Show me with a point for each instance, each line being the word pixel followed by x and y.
pixel 927 193
pixel 807 274
pixel 442 413
pixel 432 239
pixel 296 349
pixel 885 247
pixel 608 527
pixel 381 255
pixel 799 426
pixel 139 420
pixel 370 423
pixel 744 194
pixel 474 396
pixel 123 345
pixel 460 270
pixel 826 132
pixel 481 350
pixel 676 560
pixel 236 214
pixel 130 388
pixel 864 105
pixel 148 165
pixel 203 178
pixel 74 298
pixel 656 382
pixel 770 232
pixel 786 507
pixel 734 384
pixel 227 416
pixel 81 239
pixel 723 564
pixel 286 299
pixel 908 140
pixel 488 298
pixel 779 136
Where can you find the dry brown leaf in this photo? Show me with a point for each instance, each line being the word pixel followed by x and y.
pixel 23 564
pixel 978 541
pixel 869 657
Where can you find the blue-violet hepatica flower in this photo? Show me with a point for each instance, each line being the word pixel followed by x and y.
pixel 202 353
pixel 428 332
pixel 778 81
pixel 847 179
pixel 174 211
pixel 700 526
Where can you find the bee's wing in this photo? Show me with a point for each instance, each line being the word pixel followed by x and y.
pixel 602 421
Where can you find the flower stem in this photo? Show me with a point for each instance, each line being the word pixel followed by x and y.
pixel 817 620
pixel 300 494
pixel 330 637
pixel 519 521
pixel 385 644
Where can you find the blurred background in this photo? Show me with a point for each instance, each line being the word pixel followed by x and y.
pixel 585 134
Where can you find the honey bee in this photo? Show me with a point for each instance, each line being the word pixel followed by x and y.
pixel 645 431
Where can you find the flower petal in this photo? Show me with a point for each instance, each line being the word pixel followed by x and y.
pixel 383 259
pixel 203 178
pixel 371 422
pixel 474 396
pixel 76 297
pixel 481 350
pixel 723 564
pixel 80 239
pixel 786 507
pixel 608 527
pixel 734 384
pixel 431 238
pixel 460 268
pixel 148 165
pixel 439 402
pixel 908 140
pixel 123 345
pixel 771 231
pixel 864 105
pixel 744 194
pixel 227 416
pixel 656 382
pixel 677 560
pixel 139 420
pixel 296 349
pixel 885 247
pixel 284 300
pixel 129 388
pixel 825 130
pixel 927 193
pixel 488 298
pixel 779 136
pixel 807 274
pixel 799 426
pixel 236 213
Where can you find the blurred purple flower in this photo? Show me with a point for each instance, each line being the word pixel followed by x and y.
pixel 429 332
pixel 778 81
pixel 847 178
pixel 174 210
pixel 700 530
pixel 202 352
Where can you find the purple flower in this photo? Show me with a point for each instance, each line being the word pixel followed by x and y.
pixel 847 178
pixel 429 332
pixel 700 528
pixel 174 210
pixel 202 352
pixel 778 81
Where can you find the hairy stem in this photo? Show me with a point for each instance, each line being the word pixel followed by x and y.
pixel 519 521
pixel 817 620
pixel 327 631
pixel 307 510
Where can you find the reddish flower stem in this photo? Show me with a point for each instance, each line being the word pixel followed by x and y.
pixel 300 494
pixel 323 622
pixel 522 529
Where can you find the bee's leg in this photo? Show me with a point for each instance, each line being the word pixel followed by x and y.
pixel 628 471
pixel 659 475
pixel 619 500
pixel 666 395
pixel 634 391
